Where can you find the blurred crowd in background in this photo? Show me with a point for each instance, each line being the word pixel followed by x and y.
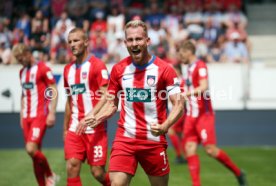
pixel 217 26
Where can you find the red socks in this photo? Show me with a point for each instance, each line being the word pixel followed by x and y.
pixel 74 181
pixel 223 158
pixel 194 168
pixel 41 168
pixel 176 144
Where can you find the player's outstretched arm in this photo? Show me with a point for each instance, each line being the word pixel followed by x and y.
pixel 67 115
pixel 51 118
pixel 177 101
pixel 109 108
pixel 203 86
pixel 21 111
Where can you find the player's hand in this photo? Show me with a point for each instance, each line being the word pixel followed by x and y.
pixel 81 127
pixel 51 119
pixel 91 121
pixel 157 129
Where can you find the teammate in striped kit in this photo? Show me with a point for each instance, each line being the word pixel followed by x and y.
pixel 199 124
pixel 144 81
pixel 37 83
pixel 85 81
pixel 175 132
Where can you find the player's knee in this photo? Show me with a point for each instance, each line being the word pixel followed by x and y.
pixel 190 149
pixel 73 166
pixel 210 150
pixel 98 173
pixel 117 182
pixel 30 149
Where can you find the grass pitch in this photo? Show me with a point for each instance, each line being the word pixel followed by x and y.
pixel 259 163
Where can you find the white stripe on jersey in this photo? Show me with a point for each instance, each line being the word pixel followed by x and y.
pixel 24 92
pixel 34 92
pixel 150 107
pixel 75 111
pixel 192 104
pixel 130 120
pixel 86 97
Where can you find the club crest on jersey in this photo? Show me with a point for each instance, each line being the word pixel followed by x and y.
pixel 151 80
pixel 84 75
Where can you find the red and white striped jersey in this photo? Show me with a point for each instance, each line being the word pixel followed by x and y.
pixel 196 105
pixel 82 84
pixel 145 90
pixel 34 81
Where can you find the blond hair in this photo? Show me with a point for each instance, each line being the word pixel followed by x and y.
pixel 137 23
pixel 188 45
pixel 19 49
pixel 74 30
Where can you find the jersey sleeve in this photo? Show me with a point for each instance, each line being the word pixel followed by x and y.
pixel 202 71
pixel 114 86
pixel 65 82
pixel 171 81
pixel 47 75
pixel 101 74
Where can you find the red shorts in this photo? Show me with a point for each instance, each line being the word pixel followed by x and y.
pixel 178 126
pixel 200 129
pixel 125 157
pixel 92 147
pixel 34 129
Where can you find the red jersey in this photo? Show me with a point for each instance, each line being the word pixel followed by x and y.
pixel 82 83
pixel 145 90
pixel 34 81
pixel 197 105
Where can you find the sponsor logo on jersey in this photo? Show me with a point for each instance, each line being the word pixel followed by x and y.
pixel 78 89
pixel 151 80
pixel 138 95
pixel 28 86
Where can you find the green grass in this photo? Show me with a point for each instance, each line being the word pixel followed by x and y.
pixel 259 164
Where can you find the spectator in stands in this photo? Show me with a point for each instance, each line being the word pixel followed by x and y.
pixel 99 23
pixel 171 21
pixel 155 14
pixel 43 5
pixel 214 53
pixel 115 19
pixel 117 50
pixel 5 53
pixel 57 8
pixel 24 24
pixel 235 15
pixel 235 50
pixel 194 20
pixel 156 35
pixel 213 12
pixel 39 23
pixel 210 33
pixel 78 10
pixel 19 37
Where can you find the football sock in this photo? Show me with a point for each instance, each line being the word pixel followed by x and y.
pixel 227 162
pixel 194 168
pixel 42 159
pixel 74 181
pixel 176 144
pixel 39 171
